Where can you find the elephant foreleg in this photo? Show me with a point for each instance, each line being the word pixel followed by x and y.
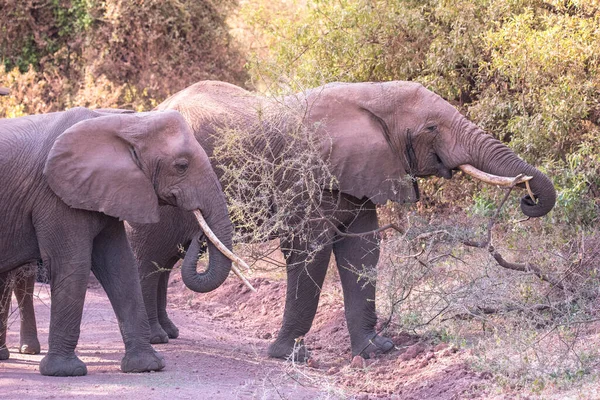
pixel 356 259
pixel 24 293
pixel 306 269
pixel 68 287
pixel 115 268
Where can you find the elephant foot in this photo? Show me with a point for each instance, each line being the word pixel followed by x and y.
pixel 56 365
pixel 170 328
pixel 30 346
pixel 142 362
pixel 158 335
pixel 373 344
pixel 292 350
pixel 4 353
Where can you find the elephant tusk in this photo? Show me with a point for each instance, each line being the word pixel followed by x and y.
pixel 223 249
pixel 494 179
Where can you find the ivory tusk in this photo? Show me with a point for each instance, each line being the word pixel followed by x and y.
pixel 223 249
pixel 493 179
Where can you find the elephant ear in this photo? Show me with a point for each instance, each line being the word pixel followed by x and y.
pixel 362 152
pixel 93 165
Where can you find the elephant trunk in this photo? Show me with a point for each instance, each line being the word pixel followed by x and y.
pixel 219 264
pixel 490 155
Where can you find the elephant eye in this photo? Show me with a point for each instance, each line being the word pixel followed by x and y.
pixel 431 128
pixel 181 165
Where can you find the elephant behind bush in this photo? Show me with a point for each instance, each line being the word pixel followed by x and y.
pixel 311 168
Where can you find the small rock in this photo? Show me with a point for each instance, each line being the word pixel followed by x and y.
pixel 357 363
pixel 333 371
pixel 267 335
pixel 362 396
pixel 412 352
pixel 424 363
pixel 485 375
pixel 449 351
pixel 441 347
pixel 312 363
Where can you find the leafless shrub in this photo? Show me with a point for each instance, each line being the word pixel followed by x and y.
pixel 10 280
pixel 526 303
pixel 276 178
pixel 516 292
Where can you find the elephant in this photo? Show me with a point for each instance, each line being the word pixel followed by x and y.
pixel 68 181
pixel 377 138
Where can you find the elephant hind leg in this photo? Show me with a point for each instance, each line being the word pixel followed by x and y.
pixel 114 266
pixel 356 259
pixel 5 296
pixel 29 343
pixel 305 275
pixel 154 279
pixel 163 318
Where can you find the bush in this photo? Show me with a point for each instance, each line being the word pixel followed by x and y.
pixel 526 71
pixel 62 54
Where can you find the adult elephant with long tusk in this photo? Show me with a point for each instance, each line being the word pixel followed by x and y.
pixel 68 181
pixel 376 138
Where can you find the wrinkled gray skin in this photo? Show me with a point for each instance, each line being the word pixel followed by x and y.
pixel 376 135
pixel 23 289
pixel 68 180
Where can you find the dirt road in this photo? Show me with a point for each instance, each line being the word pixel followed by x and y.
pixel 201 365
pixel 221 354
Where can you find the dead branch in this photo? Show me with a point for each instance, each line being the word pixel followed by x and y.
pixel 527 267
pixel 362 234
pixel 480 311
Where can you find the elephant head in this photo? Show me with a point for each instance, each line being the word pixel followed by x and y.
pixel 126 164
pixel 380 136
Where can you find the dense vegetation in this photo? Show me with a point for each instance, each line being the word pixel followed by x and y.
pixel 528 71
pixel 64 53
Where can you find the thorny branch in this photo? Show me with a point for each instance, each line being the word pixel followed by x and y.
pixel 527 267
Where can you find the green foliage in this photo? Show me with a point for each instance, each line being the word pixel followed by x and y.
pixel 527 71
pixel 44 33
pixel 577 202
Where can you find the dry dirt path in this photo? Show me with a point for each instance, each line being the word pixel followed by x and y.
pixel 209 361
pixel 221 353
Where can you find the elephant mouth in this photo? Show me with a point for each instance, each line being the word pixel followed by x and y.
pixel 169 199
